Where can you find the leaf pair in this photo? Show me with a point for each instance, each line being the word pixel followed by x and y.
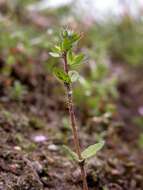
pixel 72 76
pixel 74 60
pixel 87 153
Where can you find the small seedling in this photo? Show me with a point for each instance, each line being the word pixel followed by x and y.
pixel 64 50
pixel 17 91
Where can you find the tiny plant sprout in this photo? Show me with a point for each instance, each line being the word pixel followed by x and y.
pixel 64 50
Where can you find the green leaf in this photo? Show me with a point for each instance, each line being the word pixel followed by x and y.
pixel 69 34
pixel 74 76
pixel 66 45
pixel 54 54
pixel 72 155
pixel 75 37
pixel 70 57
pixel 56 49
pixel 69 37
pixel 78 59
pixel 75 60
pixel 64 33
pixel 60 74
pixel 92 150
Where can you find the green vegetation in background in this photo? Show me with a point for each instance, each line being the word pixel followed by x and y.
pixel 121 40
pixel 126 41
pixel 17 91
pixel 140 140
pixel 99 84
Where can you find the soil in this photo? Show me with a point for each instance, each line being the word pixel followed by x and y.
pixel 31 135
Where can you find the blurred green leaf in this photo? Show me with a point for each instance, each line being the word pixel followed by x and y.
pixel 92 150
pixel 17 91
pixel 10 60
pixel 140 140
pixel 72 155
pixel 138 121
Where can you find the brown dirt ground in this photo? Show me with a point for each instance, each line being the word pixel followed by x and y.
pixel 29 165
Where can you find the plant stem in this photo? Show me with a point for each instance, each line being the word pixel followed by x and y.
pixel 73 124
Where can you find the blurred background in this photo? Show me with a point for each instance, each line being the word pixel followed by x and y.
pixel 108 99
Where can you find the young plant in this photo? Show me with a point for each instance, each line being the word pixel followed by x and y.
pixel 17 91
pixel 64 50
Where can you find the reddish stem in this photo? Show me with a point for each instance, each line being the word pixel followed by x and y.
pixel 73 124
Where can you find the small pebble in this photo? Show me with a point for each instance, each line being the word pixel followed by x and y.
pixel 17 148
pixel 53 147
